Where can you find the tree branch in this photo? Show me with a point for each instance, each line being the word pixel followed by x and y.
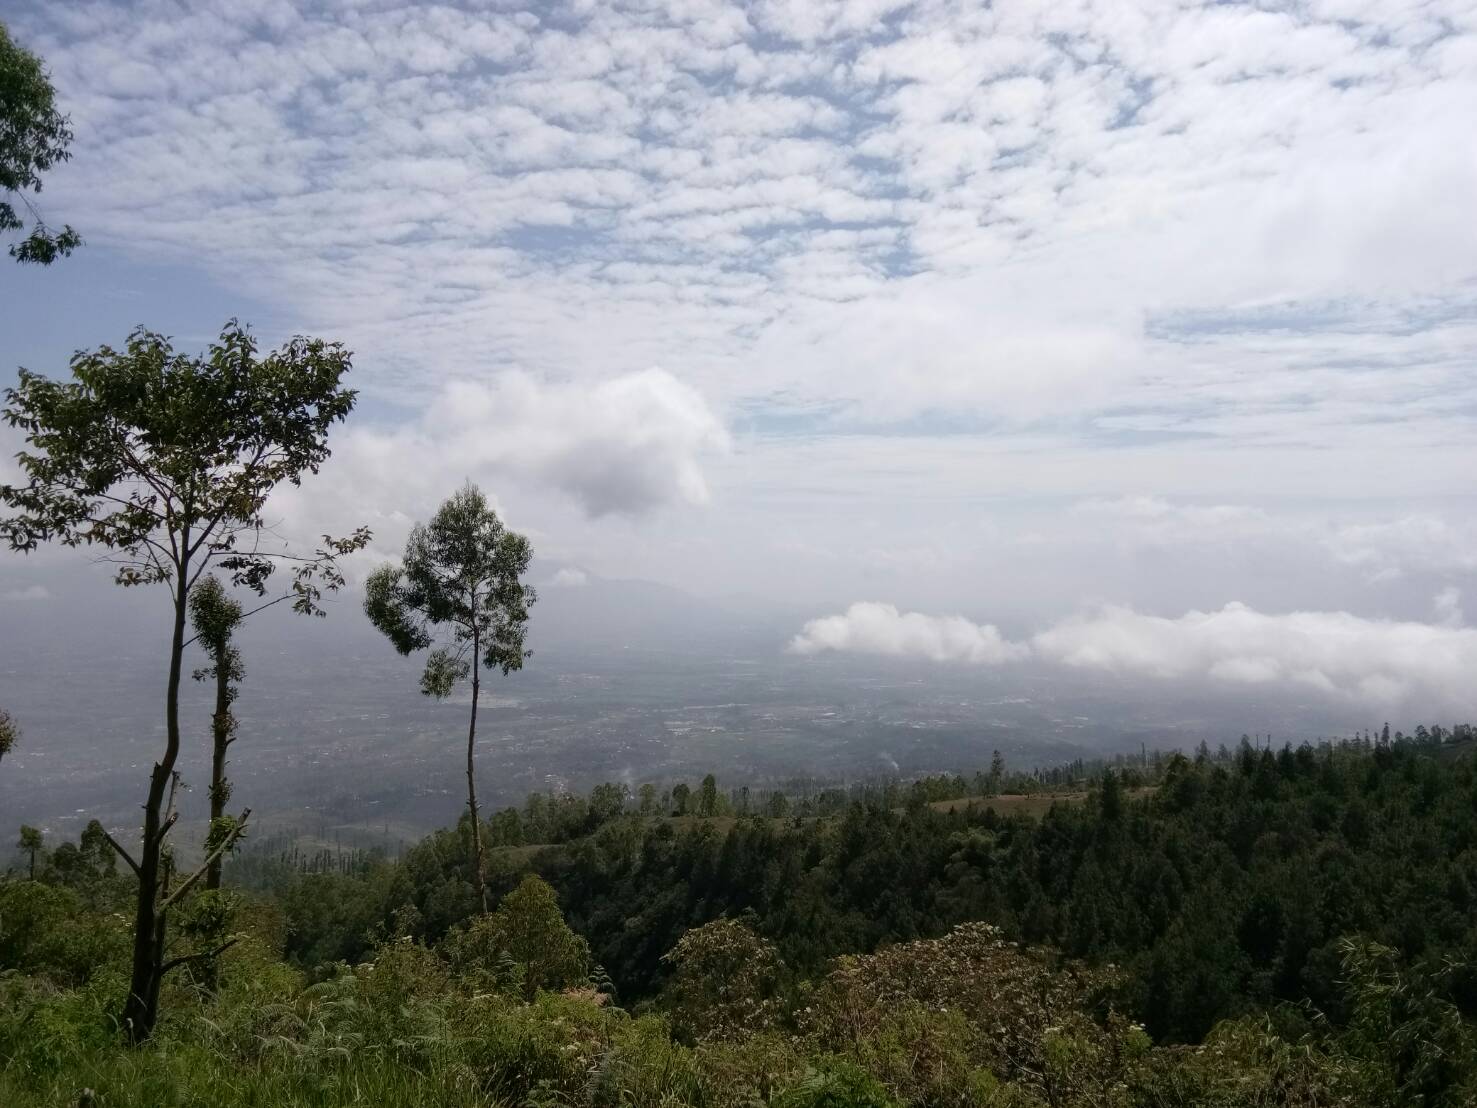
pixel 201 956
pixel 230 841
pixel 167 824
pixel 214 520
pixel 116 845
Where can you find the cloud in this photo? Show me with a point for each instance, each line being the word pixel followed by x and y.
pixel 626 446
pixel 1338 653
pixel 1388 549
pixel 1447 605
pixel 568 578
pixel 28 593
pixel 949 254
pixel 898 208
pixel 1157 510
pixel 1369 661
pixel 872 628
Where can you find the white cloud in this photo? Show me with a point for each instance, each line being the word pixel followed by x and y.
pixel 1369 661
pixel 897 208
pixel 627 446
pixel 568 578
pixel 28 594
pixel 945 253
pixel 1334 652
pixel 1388 549
pixel 624 446
pixel 872 628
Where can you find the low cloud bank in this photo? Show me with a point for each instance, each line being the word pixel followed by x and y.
pixel 1343 655
pixel 872 628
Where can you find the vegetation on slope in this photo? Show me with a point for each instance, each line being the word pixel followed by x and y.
pixel 1298 922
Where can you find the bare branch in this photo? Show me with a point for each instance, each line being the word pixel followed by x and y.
pixel 116 845
pixel 229 841
pixel 200 957
pixel 164 828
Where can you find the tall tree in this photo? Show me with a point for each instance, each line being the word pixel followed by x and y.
pixel 997 774
pixel 215 616
pixel 30 842
pixel 707 797
pixel 167 462
pixel 10 733
pixel 34 136
pixel 462 572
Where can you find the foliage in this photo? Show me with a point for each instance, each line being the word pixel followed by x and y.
pixel 34 136
pixel 10 733
pixel 30 842
pixel 528 929
pixel 46 931
pixel 838 1085
pixel 965 1020
pixel 508 1009
pixel 146 446
pixel 462 571
pixel 216 616
pixel 724 983
pixel 932 1014
pixel 167 461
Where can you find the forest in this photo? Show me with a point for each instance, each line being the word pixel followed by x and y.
pixel 1244 927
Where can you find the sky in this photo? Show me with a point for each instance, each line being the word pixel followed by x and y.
pixel 1136 337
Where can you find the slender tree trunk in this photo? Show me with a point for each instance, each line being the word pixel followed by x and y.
pixel 477 878
pixel 33 866
pixel 220 729
pixel 141 1009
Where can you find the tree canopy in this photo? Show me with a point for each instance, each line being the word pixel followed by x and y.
pixel 462 572
pixel 166 461
pixel 10 733
pixel 34 136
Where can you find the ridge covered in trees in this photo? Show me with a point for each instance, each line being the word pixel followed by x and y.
pixel 1258 927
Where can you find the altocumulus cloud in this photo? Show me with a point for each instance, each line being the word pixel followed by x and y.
pixel 1337 653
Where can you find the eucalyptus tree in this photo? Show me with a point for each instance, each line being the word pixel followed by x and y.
pixel 34 136
pixel 165 462
pixel 461 576
pixel 216 615
pixel 30 842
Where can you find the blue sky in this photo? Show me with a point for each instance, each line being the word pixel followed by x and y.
pixel 1015 312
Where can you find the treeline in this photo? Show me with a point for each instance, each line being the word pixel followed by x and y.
pixel 1223 888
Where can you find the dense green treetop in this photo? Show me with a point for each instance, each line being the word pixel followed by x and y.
pixel 461 571
pixel 34 136
pixel 168 459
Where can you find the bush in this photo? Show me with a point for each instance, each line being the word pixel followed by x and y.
pixel 527 930
pixel 835 1084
